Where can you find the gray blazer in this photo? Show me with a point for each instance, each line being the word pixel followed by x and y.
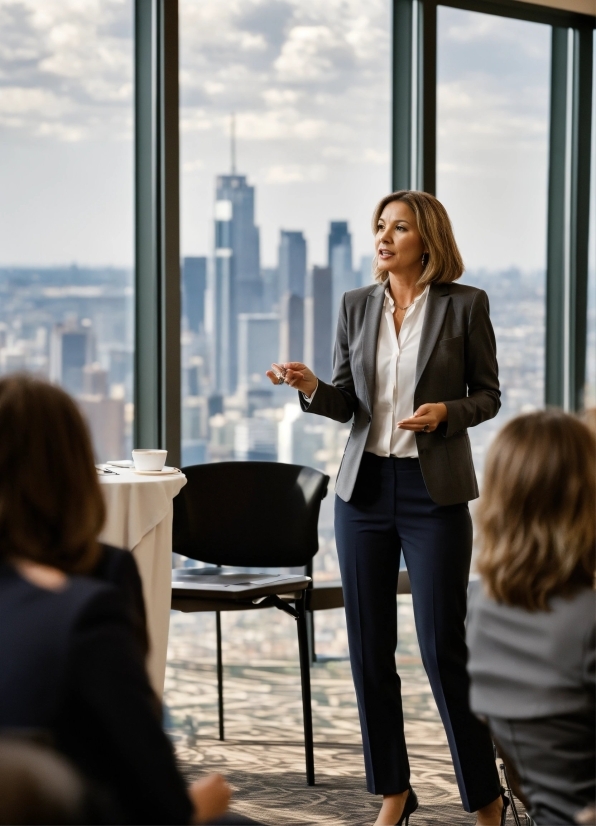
pixel 527 664
pixel 457 365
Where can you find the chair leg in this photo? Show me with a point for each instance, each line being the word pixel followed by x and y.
pixel 306 699
pixel 220 702
pixel 310 628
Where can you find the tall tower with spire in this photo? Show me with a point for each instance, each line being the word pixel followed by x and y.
pixel 238 287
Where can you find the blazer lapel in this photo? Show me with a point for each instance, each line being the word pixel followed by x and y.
pixel 437 302
pixel 370 334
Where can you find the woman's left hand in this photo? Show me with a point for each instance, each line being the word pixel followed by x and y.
pixel 426 419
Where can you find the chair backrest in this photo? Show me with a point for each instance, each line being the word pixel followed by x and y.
pixel 249 514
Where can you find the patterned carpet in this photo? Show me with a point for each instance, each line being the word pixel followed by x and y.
pixel 263 754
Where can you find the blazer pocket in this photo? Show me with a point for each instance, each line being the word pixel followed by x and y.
pixel 451 342
pixel 450 366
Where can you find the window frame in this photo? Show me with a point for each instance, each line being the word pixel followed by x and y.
pixel 568 220
pixel 414 125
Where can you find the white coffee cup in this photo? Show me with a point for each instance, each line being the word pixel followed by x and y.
pixel 149 459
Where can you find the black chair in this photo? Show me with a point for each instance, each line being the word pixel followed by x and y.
pixel 249 515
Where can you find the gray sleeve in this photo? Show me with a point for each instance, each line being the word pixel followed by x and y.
pixel 589 669
pixel 336 400
pixel 482 372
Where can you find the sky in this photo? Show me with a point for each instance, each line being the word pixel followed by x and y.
pixel 310 85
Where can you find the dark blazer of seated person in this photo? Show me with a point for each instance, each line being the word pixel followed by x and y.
pixel 118 567
pixel 70 666
pixel 532 619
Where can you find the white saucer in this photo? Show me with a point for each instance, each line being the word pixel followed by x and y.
pixel 167 471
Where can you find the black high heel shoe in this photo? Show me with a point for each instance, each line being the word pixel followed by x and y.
pixel 410 806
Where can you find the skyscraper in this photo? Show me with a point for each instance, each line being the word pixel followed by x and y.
pixel 224 333
pixel 318 322
pixel 236 282
pixel 292 282
pixel 194 284
pixel 243 239
pixel 339 246
pixel 71 348
pixel 258 347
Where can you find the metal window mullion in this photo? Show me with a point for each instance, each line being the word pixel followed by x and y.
pixel 170 288
pixel 157 266
pixel 402 95
pixel 556 223
pixel 428 41
pixel 579 230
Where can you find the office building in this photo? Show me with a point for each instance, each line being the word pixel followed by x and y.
pixel 339 259
pixel 292 286
pixel 258 347
pixel 106 421
pixel 270 284
pixel 365 273
pixel 236 274
pixel 319 325
pixel 292 263
pixel 241 236
pixel 255 440
pixel 95 380
pixel 291 330
pixel 224 332
pixel 71 348
pixel 194 285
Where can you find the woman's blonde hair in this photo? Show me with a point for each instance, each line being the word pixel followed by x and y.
pixel 536 515
pixel 51 505
pixel 444 263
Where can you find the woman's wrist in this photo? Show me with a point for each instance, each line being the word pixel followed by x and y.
pixel 444 412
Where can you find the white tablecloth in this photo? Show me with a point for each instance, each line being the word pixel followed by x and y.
pixel 139 518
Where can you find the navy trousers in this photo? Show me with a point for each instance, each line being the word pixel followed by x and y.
pixel 390 510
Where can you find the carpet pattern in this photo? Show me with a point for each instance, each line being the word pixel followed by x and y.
pixel 263 754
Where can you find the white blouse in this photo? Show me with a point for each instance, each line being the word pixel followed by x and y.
pixel 395 383
pixel 396 380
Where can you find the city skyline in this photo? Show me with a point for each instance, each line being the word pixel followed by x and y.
pixel 310 84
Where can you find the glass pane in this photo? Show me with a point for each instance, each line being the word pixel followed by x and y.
pixel 493 115
pixel 66 176
pixel 285 136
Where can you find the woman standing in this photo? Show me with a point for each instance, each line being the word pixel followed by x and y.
pixel 414 366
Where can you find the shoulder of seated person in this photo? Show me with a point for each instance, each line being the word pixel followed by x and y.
pixel 53 580
pixel 42 576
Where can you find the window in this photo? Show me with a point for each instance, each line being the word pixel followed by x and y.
pixel 285 141
pixel 493 97
pixel 66 178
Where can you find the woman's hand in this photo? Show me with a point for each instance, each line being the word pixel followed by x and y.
pixel 295 374
pixel 426 419
pixel 211 797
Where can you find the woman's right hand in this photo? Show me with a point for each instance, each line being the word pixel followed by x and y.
pixel 295 374
pixel 211 798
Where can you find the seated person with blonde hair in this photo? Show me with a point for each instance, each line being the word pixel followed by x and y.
pixel 531 623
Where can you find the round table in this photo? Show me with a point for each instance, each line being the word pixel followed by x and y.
pixel 139 518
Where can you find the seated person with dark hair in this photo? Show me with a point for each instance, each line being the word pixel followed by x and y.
pixel 532 619
pixel 71 659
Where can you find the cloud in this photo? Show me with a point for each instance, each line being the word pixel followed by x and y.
pixel 66 68
pixel 293 173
